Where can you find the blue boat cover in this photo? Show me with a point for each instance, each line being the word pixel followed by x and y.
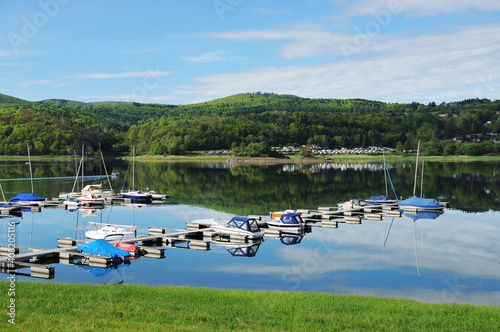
pixel 101 271
pixel 26 198
pixel 291 219
pixel 243 223
pixel 244 251
pixel 421 202
pixel 103 248
pixel 424 215
pixel 288 240
pixel 378 198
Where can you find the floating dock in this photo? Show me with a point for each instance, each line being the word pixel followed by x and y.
pixel 12 260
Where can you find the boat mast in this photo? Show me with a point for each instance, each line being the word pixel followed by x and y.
pixel 31 173
pixel 422 181
pixel 105 170
pixel 133 168
pixel 83 151
pixel 385 177
pixel 416 170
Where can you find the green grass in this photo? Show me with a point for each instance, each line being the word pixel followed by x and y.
pixel 51 306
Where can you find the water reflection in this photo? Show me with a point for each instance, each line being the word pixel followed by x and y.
pixel 243 190
pixel 115 276
pixel 449 257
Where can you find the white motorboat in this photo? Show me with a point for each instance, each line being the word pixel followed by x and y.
pixel 91 200
pixel 242 226
pixel 71 202
pixel 285 220
pixel 157 197
pixel 110 232
pixel 96 191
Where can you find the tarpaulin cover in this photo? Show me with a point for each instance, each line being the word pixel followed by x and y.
pixel 424 215
pixel 378 198
pixel 26 198
pixel 428 203
pixel 103 248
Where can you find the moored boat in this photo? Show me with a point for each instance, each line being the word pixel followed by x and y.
pixel 241 226
pixel 380 200
pixel 157 197
pixel 91 200
pixel 71 202
pixel 103 248
pixel 110 232
pixel 285 220
pixel 417 203
pixel 27 199
pixel 96 191
pixel 137 196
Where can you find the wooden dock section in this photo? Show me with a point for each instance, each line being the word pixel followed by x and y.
pixel 11 210
pixel 12 260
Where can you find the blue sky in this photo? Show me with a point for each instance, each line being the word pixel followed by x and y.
pixel 182 52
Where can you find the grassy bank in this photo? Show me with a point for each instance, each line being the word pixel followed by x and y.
pixel 49 306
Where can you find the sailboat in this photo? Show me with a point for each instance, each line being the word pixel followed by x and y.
pixel 74 194
pixel 96 190
pixel 136 196
pixel 418 203
pixel 28 199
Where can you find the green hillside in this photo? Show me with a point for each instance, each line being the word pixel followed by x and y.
pixel 6 101
pixel 249 124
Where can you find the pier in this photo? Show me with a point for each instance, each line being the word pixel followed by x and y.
pixel 67 253
pixel 33 262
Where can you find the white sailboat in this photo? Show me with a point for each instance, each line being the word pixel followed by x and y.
pixel 416 203
pixel 28 199
pixel 136 196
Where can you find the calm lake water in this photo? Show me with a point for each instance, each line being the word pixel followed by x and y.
pixel 449 258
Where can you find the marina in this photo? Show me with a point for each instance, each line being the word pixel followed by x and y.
pixel 369 249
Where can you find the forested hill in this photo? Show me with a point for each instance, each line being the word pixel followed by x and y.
pixel 59 126
pixel 241 104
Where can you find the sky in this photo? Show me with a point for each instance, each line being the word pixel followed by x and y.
pixel 183 52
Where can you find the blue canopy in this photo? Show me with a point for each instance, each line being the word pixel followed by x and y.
pixel 243 223
pixel 424 203
pixel 103 248
pixel 101 271
pixel 291 219
pixel 245 251
pixel 288 240
pixel 378 198
pixel 424 215
pixel 26 198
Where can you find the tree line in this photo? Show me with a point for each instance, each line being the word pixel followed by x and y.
pixel 247 123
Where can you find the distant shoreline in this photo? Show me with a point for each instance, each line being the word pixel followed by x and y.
pixel 266 160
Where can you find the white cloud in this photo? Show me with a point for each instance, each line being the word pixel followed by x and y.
pixel 420 7
pixel 152 73
pixel 131 97
pixel 447 66
pixel 36 82
pixel 209 57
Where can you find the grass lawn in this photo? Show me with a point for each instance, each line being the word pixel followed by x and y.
pixel 52 306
